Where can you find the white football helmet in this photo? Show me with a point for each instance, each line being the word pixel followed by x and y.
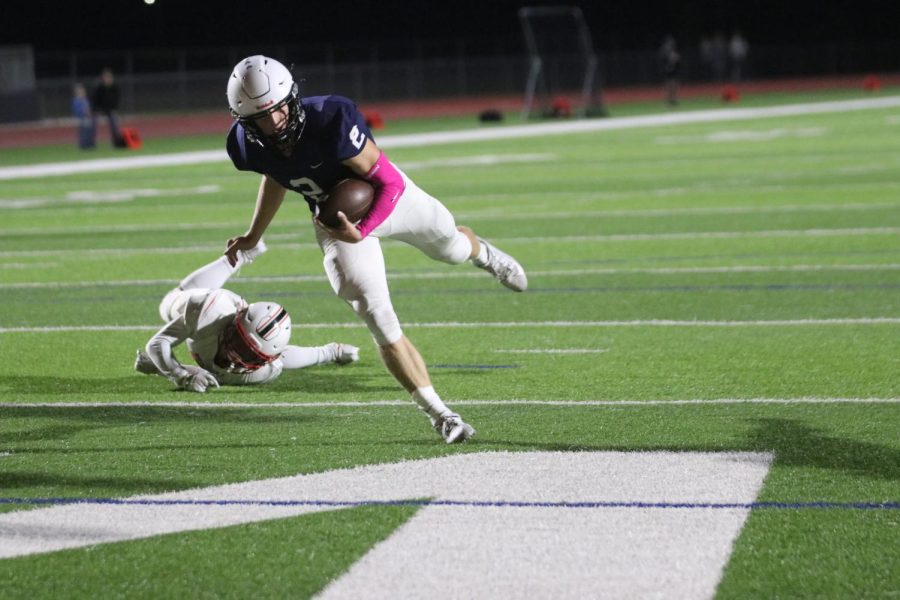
pixel 260 333
pixel 260 85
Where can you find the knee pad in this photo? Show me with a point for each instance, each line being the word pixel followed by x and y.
pixel 382 321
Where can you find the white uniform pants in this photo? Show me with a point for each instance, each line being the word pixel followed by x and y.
pixel 357 271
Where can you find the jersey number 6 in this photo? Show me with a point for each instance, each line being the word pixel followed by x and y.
pixel 357 137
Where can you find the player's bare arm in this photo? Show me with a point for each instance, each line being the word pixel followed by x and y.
pixel 268 201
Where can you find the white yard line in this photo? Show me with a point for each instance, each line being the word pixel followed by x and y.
pixel 675 212
pixel 495 403
pixel 490 213
pixel 505 324
pixel 470 274
pixel 695 235
pixel 477 161
pixel 528 521
pixel 615 238
pixel 743 136
pixel 485 214
pixel 107 196
pixel 100 253
pixel 472 135
pixel 553 351
pixel 509 324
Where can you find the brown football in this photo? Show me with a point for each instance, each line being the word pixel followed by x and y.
pixel 353 197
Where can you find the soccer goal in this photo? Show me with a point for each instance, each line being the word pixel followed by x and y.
pixel 562 74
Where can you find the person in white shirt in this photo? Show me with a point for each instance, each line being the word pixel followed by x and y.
pixel 232 342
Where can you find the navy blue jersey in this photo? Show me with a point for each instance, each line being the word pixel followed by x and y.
pixel 334 131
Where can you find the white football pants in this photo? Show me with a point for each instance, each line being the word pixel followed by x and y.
pixel 357 272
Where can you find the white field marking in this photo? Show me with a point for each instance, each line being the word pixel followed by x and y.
pixel 719 186
pixel 100 253
pixel 476 161
pixel 674 212
pixel 504 324
pixel 495 403
pixel 469 274
pixel 892 120
pixel 643 237
pixel 113 164
pixel 108 196
pixel 632 237
pixel 498 552
pixel 131 228
pixel 36 265
pixel 860 169
pixel 554 351
pixel 488 214
pixel 743 136
pixel 479 536
pixel 472 135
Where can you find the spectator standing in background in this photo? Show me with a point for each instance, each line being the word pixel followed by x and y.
pixel 738 48
pixel 719 56
pixel 105 101
pixel 81 109
pixel 670 64
pixel 706 57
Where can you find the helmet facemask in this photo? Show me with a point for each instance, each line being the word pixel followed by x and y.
pixel 283 140
pixel 255 337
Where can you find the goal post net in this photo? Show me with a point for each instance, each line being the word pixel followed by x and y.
pixel 562 63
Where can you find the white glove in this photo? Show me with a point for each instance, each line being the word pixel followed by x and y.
pixel 197 380
pixel 344 354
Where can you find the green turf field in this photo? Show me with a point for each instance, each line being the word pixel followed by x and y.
pixel 706 287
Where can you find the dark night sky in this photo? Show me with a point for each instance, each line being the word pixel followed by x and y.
pixel 110 24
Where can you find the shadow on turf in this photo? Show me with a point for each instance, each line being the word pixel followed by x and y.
pixel 794 444
pixel 798 445
pixel 56 481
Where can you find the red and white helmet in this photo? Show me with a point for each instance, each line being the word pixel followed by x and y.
pixel 260 333
pixel 260 85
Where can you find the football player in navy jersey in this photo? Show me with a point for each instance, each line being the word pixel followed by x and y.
pixel 307 145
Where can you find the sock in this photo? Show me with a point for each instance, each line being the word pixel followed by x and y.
pixel 429 401
pixel 482 258
pixel 211 276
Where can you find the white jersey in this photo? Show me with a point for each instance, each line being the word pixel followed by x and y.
pixel 199 317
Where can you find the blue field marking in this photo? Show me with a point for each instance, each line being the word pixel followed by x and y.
pixel 460 366
pixel 465 503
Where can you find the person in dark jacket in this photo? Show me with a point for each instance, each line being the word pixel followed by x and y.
pixel 105 101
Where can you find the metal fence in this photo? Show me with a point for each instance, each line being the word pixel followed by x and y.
pixel 190 79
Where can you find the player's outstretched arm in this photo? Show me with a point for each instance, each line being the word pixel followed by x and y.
pixel 268 201
pixel 301 357
pixel 159 351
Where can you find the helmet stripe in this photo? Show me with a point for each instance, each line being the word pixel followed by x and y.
pixel 271 324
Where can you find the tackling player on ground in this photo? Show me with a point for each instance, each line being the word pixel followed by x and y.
pixel 234 343
pixel 307 145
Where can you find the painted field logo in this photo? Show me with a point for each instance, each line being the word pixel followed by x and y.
pixel 531 524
